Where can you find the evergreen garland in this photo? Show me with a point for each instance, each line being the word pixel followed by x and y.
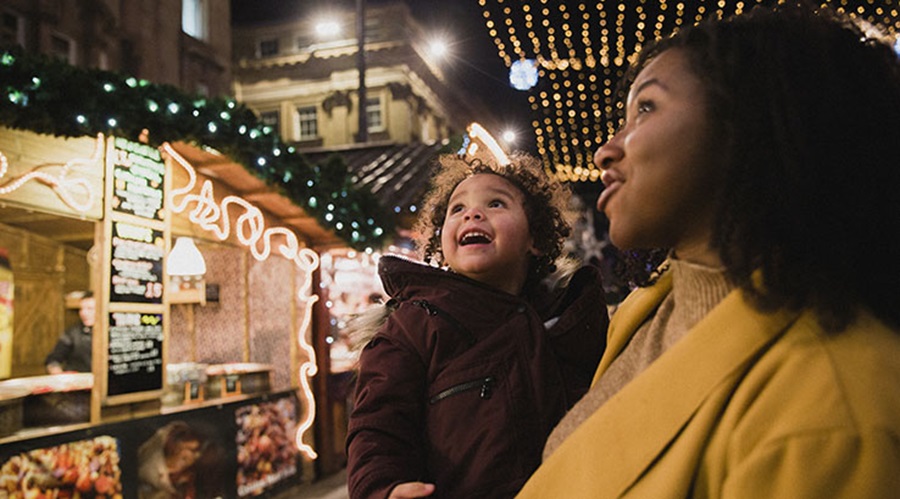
pixel 48 96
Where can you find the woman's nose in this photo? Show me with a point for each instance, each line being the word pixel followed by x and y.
pixel 607 154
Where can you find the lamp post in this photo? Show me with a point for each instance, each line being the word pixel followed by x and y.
pixel 363 135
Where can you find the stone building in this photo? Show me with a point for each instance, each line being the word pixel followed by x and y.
pixel 301 73
pixel 185 43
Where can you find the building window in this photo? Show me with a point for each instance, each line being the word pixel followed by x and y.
pixel 103 60
pixel 268 48
pixel 194 18
pixel 12 29
pixel 62 47
pixel 307 123
pixel 270 119
pixel 374 114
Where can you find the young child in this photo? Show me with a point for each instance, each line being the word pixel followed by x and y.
pixel 478 357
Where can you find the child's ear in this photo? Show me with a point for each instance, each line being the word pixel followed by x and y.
pixel 534 250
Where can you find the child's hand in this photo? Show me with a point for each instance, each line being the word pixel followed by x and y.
pixel 411 490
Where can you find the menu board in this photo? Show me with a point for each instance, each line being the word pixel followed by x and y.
pixel 136 271
pixel 138 174
pixel 135 352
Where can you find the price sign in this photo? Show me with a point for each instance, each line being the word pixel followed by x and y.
pixel 138 175
pixel 136 264
pixel 135 352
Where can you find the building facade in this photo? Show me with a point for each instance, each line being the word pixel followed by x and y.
pixel 301 75
pixel 184 43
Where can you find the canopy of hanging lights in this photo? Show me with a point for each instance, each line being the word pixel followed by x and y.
pixel 570 55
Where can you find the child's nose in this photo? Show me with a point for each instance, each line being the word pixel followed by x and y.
pixel 474 214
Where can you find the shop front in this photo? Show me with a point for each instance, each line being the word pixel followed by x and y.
pixel 202 373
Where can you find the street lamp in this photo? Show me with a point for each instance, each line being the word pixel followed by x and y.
pixel 328 28
pixel 363 135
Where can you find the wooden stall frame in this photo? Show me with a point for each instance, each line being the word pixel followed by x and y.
pixel 100 396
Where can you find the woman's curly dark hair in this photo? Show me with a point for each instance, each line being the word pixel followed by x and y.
pixel 546 206
pixel 809 105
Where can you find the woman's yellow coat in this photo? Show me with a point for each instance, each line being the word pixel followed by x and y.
pixel 746 405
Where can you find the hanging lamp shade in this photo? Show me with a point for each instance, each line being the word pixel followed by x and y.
pixel 185 259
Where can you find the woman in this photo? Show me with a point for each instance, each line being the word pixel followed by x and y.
pixel 762 359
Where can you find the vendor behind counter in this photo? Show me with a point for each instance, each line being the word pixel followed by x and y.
pixel 73 349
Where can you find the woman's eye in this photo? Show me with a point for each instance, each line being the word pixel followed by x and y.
pixel 645 106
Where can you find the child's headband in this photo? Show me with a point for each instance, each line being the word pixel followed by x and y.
pixel 476 134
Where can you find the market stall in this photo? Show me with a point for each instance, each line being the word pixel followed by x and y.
pixel 103 176
pixel 170 350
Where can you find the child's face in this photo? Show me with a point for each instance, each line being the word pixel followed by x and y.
pixel 485 235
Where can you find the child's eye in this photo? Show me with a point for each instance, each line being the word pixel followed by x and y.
pixel 455 208
pixel 497 203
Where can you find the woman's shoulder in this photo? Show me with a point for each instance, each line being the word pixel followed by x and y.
pixel 852 376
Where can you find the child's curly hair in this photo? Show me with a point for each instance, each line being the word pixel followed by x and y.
pixel 545 204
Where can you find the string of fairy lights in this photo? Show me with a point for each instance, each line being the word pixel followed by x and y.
pixel 48 96
pixel 572 54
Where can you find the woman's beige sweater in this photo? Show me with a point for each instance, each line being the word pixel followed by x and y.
pixel 696 290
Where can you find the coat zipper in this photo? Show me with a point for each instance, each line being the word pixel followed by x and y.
pixel 435 311
pixel 486 385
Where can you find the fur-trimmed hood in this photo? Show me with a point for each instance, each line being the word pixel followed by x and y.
pixel 398 272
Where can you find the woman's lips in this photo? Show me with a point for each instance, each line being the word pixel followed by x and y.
pixel 607 194
pixel 612 183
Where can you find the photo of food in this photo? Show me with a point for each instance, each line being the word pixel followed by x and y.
pixel 266 452
pixel 88 469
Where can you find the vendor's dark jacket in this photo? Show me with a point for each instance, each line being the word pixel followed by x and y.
pixel 73 349
pixel 462 383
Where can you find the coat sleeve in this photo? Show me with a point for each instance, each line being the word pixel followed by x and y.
pixel 60 353
pixel 578 338
pixel 837 464
pixel 385 438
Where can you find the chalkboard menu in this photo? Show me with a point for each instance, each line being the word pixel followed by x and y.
pixel 136 270
pixel 135 352
pixel 138 174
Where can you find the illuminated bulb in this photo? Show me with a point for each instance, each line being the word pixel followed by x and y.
pixel 328 29
pixel 437 49
pixel 523 74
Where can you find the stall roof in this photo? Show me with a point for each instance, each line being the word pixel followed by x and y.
pixel 250 187
pixel 397 174
pixel 79 233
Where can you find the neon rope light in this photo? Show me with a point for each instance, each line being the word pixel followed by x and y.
pixel 250 230
pixel 477 131
pixel 69 190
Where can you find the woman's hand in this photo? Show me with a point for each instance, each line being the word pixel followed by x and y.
pixel 411 490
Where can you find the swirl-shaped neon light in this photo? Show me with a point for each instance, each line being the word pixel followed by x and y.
pixel 251 231
pixel 476 131
pixel 67 189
